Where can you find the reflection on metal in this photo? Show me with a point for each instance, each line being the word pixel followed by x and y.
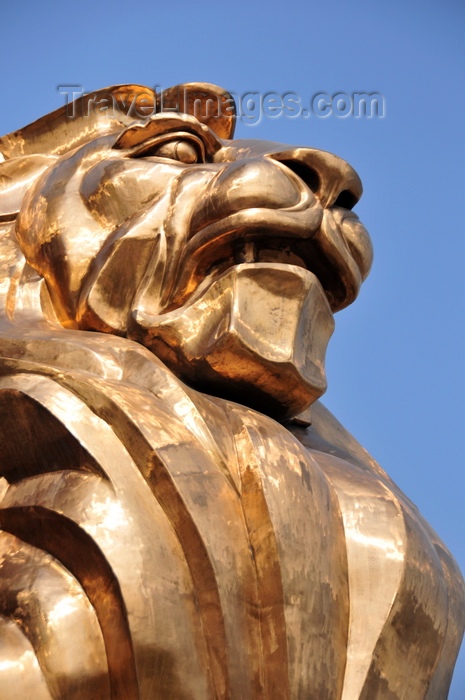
pixel 157 539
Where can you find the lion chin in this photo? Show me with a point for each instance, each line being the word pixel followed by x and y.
pixel 160 538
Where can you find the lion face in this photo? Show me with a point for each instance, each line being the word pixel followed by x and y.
pixel 225 258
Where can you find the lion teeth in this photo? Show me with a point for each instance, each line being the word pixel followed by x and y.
pixel 247 253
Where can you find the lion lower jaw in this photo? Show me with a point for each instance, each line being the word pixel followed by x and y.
pixel 257 334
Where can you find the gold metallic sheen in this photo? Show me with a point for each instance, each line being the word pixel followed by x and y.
pixel 166 296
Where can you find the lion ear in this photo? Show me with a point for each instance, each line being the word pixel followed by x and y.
pixel 209 103
pixel 17 175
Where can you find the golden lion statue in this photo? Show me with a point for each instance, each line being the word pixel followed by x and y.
pixel 176 522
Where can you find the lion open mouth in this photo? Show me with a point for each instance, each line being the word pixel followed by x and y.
pixel 322 246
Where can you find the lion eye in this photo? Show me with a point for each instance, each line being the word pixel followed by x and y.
pixel 182 151
pixel 182 146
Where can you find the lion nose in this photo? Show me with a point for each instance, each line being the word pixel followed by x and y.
pixel 257 182
pixel 330 178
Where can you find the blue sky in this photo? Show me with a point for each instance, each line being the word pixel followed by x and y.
pixel 395 363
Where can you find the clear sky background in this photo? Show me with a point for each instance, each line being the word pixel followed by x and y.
pixel 395 363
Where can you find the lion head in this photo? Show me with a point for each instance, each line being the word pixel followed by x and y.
pixel 227 259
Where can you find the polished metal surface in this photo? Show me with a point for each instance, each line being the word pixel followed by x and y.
pixel 167 295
